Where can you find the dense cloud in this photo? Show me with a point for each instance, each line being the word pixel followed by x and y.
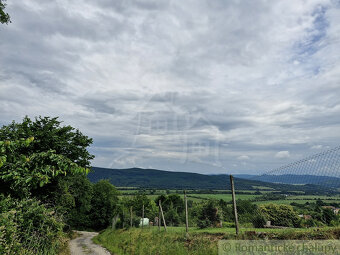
pixel 201 86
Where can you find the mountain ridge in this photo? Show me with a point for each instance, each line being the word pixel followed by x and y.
pixel 161 179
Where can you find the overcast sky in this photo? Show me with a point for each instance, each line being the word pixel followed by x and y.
pixel 199 86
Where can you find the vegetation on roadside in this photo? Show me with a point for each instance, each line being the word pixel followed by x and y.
pixel 28 227
pixel 44 191
pixel 174 241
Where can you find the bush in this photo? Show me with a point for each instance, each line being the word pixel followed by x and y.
pixel 104 204
pixel 312 223
pixel 259 221
pixel 227 224
pixel 280 215
pixel 28 227
pixel 209 214
pixel 205 223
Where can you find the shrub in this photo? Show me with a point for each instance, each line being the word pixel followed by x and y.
pixel 104 204
pixel 209 214
pixel 204 223
pixel 280 215
pixel 259 221
pixel 28 227
pixel 312 223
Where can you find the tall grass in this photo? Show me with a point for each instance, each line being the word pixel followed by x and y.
pixel 137 241
pixel 28 242
pixel 150 241
pixel 28 227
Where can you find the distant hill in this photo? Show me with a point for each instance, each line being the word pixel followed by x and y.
pixel 326 181
pixel 245 176
pixel 152 178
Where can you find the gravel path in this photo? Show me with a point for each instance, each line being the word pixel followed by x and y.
pixel 83 245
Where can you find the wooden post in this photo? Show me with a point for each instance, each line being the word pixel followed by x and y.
pixel 159 218
pixel 131 216
pixel 143 217
pixel 123 216
pixel 186 212
pixel 234 203
pixel 160 206
pixel 114 221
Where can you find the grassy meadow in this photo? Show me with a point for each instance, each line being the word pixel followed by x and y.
pixel 198 242
pixel 250 195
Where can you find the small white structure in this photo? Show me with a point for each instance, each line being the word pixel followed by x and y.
pixel 144 222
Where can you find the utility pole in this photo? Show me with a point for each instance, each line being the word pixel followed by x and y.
pixel 123 217
pixel 143 217
pixel 131 216
pixel 234 204
pixel 186 212
pixel 160 206
pixel 159 218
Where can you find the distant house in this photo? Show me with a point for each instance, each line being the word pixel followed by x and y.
pixel 306 217
pixel 144 222
pixel 334 209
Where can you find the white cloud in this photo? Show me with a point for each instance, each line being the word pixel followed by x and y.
pixel 243 157
pixel 317 147
pixel 282 154
pixel 263 81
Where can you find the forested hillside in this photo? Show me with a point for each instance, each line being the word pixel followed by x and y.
pixel 327 181
pixel 152 178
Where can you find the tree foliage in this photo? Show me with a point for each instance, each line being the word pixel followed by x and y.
pixel 104 204
pixel 24 172
pixel 36 155
pixel 4 17
pixel 49 134
pixel 74 198
pixel 28 227
pixel 280 215
pixel 209 214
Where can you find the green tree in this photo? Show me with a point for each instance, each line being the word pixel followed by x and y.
pixel 37 155
pixel 104 204
pixel 246 211
pixel 173 200
pixel 209 214
pixel 21 173
pixel 327 216
pixel 4 17
pixel 280 215
pixel 171 216
pixel 74 200
pixel 49 134
pixel 258 220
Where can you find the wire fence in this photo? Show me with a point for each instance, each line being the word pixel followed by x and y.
pixel 320 169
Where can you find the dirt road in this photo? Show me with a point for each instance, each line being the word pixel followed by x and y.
pixel 83 245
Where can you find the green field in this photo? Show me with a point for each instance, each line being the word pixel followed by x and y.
pixel 226 197
pixel 198 242
pixel 307 197
pixel 198 197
